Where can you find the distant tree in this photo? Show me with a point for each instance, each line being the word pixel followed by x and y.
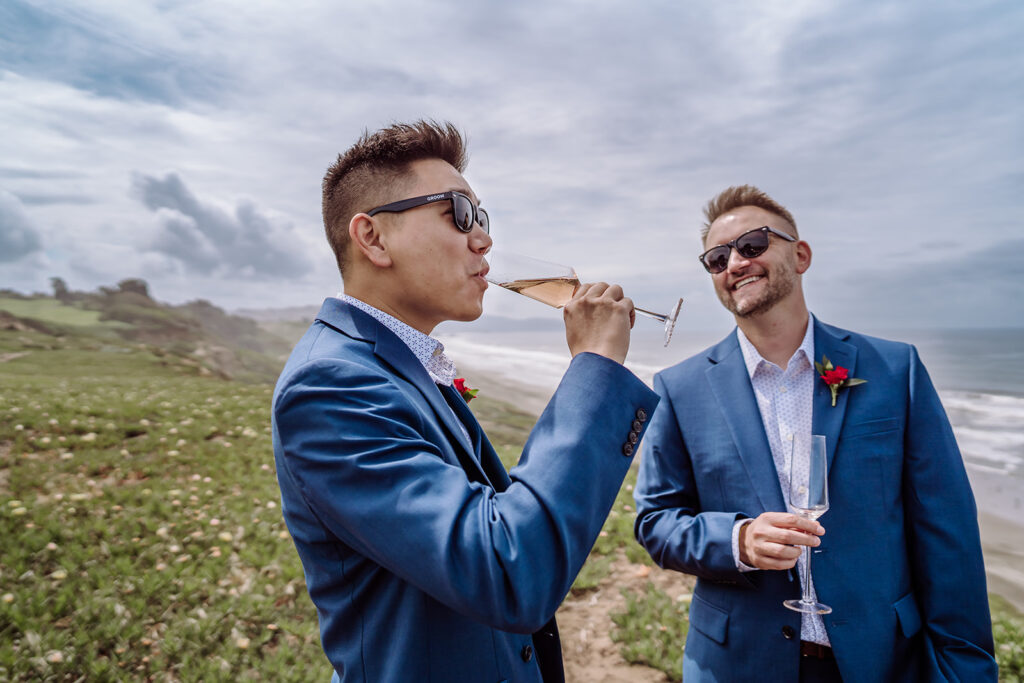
pixel 134 285
pixel 60 289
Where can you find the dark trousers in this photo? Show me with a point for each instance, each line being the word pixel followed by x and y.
pixel 819 670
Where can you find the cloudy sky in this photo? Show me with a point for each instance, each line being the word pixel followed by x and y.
pixel 184 142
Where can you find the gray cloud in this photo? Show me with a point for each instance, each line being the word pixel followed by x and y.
pixel 99 53
pixel 39 174
pixel 45 199
pixel 207 239
pixel 19 237
pixel 981 287
pixel 597 131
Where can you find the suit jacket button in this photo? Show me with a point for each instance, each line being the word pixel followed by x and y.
pixel 526 653
pixel 627 449
pixel 633 438
pixel 637 425
pixel 788 632
pixel 641 414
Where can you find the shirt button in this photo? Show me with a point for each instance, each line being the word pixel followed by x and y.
pixel 527 652
pixel 782 390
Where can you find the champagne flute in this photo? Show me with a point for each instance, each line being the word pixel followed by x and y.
pixel 554 284
pixel 808 498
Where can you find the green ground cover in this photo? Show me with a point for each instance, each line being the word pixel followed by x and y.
pixel 652 629
pixel 142 534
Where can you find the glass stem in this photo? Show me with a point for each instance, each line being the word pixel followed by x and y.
pixel 806 574
pixel 660 317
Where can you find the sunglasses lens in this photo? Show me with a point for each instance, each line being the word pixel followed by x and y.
pixel 716 260
pixel 752 244
pixel 463 209
pixel 484 220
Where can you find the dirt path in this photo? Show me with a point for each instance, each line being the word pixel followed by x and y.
pixel 585 625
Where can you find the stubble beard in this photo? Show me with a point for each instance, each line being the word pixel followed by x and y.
pixel 780 285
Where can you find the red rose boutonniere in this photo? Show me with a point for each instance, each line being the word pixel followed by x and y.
pixel 835 377
pixel 466 393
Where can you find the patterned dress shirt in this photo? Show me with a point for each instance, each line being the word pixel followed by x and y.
pixel 784 399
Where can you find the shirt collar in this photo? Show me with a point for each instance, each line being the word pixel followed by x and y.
pixel 753 360
pixel 428 351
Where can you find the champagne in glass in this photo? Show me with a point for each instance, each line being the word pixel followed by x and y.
pixel 808 497
pixel 553 284
pixel 553 291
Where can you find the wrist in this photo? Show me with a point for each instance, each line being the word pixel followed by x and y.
pixel 742 541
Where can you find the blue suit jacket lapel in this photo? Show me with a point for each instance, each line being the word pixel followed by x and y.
pixel 394 352
pixel 489 461
pixel 731 386
pixel 828 419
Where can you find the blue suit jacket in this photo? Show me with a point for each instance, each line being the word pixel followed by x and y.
pixel 426 560
pixel 900 562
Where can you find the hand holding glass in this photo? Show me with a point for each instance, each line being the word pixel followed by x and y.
pixel 808 497
pixel 553 284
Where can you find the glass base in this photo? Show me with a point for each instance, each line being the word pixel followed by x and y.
pixel 670 320
pixel 807 607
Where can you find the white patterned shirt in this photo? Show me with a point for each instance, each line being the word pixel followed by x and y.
pixel 785 401
pixel 428 351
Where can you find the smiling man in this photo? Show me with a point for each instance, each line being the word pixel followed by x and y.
pixel 426 560
pixel 901 564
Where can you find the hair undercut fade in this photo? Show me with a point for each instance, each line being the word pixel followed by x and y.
pixel 372 171
pixel 734 197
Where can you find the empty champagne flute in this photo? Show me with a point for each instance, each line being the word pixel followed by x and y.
pixel 554 284
pixel 808 498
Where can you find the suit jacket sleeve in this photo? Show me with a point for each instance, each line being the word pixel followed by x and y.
pixel 670 523
pixel 944 540
pixel 355 446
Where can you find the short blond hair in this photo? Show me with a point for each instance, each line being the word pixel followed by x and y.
pixel 732 198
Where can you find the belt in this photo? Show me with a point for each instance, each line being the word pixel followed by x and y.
pixel 815 650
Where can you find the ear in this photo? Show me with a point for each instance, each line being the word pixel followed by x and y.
pixel 803 257
pixel 364 233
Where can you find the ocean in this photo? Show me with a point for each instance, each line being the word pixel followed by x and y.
pixel 979 375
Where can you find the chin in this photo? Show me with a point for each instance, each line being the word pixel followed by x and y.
pixel 469 315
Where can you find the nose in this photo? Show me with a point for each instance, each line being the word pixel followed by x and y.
pixel 736 261
pixel 479 241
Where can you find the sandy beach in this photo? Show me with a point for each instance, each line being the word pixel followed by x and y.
pixel 1000 501
pixel 1002 541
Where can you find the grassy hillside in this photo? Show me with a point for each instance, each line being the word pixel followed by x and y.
pixel 197 333
pixel 53 312
pixel 141 532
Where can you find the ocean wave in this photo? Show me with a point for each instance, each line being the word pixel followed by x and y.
pixel 522 365
pixel 1002 440
pixel 996 410
pixel 989 427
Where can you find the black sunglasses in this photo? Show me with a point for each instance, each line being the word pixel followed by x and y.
pixel 748 245
pixel 464 211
